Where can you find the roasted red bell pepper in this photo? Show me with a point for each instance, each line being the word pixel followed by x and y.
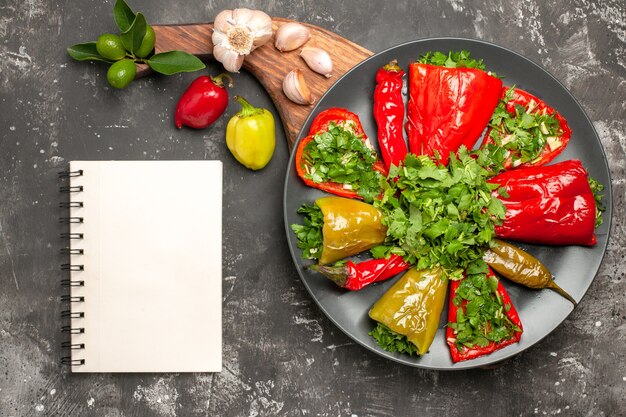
pixel 354 276
pixel 347 120
pixel 448 107
pixel 336 115
pixel 533 126
pixel 389 113
pixel 463 353
pixel 551 205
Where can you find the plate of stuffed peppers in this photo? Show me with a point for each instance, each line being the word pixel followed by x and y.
pixel 448 203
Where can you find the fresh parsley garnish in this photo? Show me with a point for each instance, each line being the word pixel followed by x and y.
pixel 439 215
pixel 483 318
pixel 392 341
pixel 596 189
pixel 340 156
pixel 454 59
pixel 309 234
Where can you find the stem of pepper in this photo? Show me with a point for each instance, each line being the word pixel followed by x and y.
pixel 218 80
pixel 247 109
pixel 338 275
pixel 392 66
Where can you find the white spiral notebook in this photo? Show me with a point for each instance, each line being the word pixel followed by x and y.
pixel 145 262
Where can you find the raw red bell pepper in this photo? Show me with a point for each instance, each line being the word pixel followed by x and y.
pixel 356 276
pixel 389 113
pixel 551 205
pixel 448 107
pixel 203 102
pixel 466 353
pixel 321 123
pixel 554 140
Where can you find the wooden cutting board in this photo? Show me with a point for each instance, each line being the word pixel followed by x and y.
pixel 268 64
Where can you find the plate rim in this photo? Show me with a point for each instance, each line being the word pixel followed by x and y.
pixel 464 365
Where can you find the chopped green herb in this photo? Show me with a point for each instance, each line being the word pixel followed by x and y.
pixel 392 341
pixel 460 59
pixel 439 215
pixel 339 155
pixel 309 234
pixel 483 319
pixel 597 189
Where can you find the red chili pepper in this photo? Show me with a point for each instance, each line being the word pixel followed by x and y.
pixel 389 113
pixel 526 100
pixel 551 205
pixel 320 124
pixel 467 353
pixel 203 102
pixel 356 276
pixel 448 107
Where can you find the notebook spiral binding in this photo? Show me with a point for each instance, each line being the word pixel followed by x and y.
pixel 70 313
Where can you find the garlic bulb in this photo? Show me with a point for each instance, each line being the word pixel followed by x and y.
pixel 318 60
pixel 238 32
pixel 291 36
pixel 295 88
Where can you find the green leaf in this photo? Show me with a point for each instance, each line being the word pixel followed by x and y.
pixel 173 62
pixel 124 16
pixel 132 37
pixel 392 341
pixel 86 52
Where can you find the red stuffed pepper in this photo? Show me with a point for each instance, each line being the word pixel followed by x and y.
pixel 551 205
pixel 482 325
pixel 448 107
pixel 389 113
pixel 347 167
pixel 531 132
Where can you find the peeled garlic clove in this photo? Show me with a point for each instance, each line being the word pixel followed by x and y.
pixel 295 88
pixel 318 60
pixel 291 36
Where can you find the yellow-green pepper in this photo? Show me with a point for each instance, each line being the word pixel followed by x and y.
pixel 521 267
pixel 251 135
pixel 412 306
pixel 350 227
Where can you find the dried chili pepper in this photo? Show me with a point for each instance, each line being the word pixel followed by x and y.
pixel 503 328
pixel 355 276
pixel 362 180
pixel 521 267
pixel 389 113
pixel 532 133
pixel 551 205
pixel 448 107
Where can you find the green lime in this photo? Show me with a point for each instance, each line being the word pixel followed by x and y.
pixel 121 73
pixel 147 44
pixel 110 47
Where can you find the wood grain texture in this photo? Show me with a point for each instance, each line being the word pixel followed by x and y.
pixel 268 64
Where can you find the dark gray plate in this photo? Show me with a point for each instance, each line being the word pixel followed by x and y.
pixel 574 267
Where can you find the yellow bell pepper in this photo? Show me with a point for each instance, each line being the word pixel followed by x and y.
pixel 412 306
pixel 350 227
pixel 251 135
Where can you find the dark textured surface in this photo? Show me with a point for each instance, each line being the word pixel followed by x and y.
pixel 281 355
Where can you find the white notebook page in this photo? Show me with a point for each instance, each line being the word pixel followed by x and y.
pixel 152 240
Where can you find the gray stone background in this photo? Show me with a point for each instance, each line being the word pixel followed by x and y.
pixel 281 355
